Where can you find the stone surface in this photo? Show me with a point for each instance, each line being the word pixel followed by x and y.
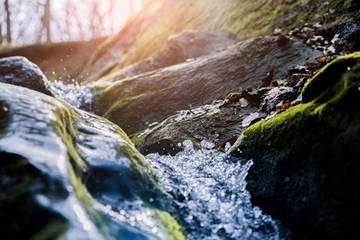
pixel 210 126
pixel 180 48
pixel 148 31
pixel 66 173
pixel 21 72
pixel 132 103
pixel 306 159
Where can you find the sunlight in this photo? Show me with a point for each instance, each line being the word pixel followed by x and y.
pixel 137 5
pixel 179 119
pixel 68 19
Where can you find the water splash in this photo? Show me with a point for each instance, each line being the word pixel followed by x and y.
pixel 211 197
pixel 75 94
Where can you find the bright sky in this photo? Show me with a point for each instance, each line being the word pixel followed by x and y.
pixel 27 17
pixel 117 18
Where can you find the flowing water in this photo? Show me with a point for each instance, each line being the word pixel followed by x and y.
pixel 208 189
pixel 210 192
pixel 75 94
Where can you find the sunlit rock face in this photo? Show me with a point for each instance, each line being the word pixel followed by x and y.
pixel 148 31
pixel 132 103
pixel 306 159
pixel 66 173
pixel 21 72
pixel 179 48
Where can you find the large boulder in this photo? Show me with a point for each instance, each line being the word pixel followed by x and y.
pixel 148 31
pixel 210 126
pixel 68 174
pixel 132 103
pixel 306 159
pixel 180 48
pixel 21 72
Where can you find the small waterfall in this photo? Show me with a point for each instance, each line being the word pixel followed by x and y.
pixel 210 193
pixel 75 94
pixel 208 187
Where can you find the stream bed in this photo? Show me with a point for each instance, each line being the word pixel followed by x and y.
pixel 207 187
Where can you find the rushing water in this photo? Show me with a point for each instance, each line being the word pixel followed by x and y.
pixel 75 94
pixel 208 187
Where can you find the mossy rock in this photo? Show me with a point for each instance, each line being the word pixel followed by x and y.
pixel 306 159
pixel 65 173
pixel 135 102
pixel 147 32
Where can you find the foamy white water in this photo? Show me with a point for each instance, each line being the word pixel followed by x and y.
pixel 210 191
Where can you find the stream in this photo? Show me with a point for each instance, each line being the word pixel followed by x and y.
pixel 208 189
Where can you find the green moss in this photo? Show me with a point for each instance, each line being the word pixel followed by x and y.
pixel 306 159
pixel 174 230
pixel 65 128
pixel 328 76
pixel 244 18
pixel 330 92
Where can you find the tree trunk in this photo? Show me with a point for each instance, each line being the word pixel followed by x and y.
pixel 1 36
pixel 46 20
pixel 8 21
pixel 96 20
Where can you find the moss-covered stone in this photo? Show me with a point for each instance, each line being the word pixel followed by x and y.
pixel 306 159
pixel 147 33
pixel 175 231
pixel 62 168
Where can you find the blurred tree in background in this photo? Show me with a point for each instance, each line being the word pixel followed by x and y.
pixel 44 21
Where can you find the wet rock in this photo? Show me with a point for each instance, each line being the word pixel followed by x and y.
pixel 276 97
pixel 68 174
pixel 21 72
pixel 348 35
pixel 210 123
pixel 213 126
pixel 180 48
pixel 333 40
pixel 151 97
pixel 252 118
pixel 306 159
